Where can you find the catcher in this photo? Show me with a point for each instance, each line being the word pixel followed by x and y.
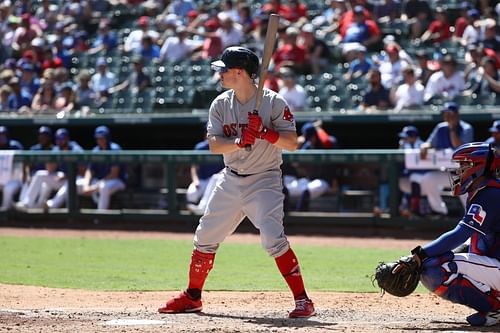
pixel 473 278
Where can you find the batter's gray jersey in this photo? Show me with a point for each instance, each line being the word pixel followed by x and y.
pixel 228 116
pixel 258 191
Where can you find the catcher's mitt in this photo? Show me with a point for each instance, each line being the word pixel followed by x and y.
pixel 398 278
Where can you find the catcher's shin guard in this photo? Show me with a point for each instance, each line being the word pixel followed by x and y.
pixel 445 282
pixel 201 264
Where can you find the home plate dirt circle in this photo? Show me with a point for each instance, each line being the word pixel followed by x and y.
pixel 132 322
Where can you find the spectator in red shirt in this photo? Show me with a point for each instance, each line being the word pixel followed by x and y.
pixel 290 54
pixel 361 30
pixel 272 81
pixel 212 45
pixel 462 22
pixel 349 17
pixel 439 30
pixel 295 11
pixel 274 7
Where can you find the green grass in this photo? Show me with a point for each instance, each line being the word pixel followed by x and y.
pixel 105 264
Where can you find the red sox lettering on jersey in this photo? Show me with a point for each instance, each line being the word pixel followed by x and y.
pixel 228 116
pixel 231 130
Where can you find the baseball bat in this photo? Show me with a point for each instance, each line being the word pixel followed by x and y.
pixel 270 41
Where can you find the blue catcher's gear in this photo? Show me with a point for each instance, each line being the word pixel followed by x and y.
pixel 440 275
pixel 474 160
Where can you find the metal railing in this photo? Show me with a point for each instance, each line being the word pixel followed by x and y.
pixel 387 159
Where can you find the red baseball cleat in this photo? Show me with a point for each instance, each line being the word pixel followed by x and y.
pixel 180 304
pixel 304 308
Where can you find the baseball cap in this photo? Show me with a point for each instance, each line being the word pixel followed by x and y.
pixel 45 130
pixel 101 61
pixel 101 131
pixel 391 48
pixel 466 5
pixel 62 133
pixel 408 132
pixel 292 31
pixel 358 9
pixel 27 66
pixel 38 42
pixel 308 28
pixel 473 13
pixel 450 107
pixel 308 130
pixel 143 20
pixel 495 128
pixel 211 24
pixel 28 54
pixel 238 57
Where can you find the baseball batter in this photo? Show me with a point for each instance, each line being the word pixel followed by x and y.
pixel 250 184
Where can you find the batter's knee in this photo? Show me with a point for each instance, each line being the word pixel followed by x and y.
pixel 203 242
pixel 276 248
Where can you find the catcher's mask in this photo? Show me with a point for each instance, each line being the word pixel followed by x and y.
pixel 473 160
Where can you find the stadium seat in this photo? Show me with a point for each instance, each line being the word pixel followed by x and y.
pixel 143 101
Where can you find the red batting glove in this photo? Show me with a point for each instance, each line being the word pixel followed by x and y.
pixel 255 122
pixel 269 135
pixel 247 138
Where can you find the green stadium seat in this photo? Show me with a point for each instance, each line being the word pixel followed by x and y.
pixel 143 101
pixel 336 103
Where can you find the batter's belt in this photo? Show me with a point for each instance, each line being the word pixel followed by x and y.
pixel 234 172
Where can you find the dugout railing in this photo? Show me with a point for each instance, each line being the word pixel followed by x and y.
pixel 388 160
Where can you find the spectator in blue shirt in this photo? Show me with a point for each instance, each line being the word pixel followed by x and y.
pixel 104 179
pixel 360 65
pixel 377 97
pixel 452 132
pixel 21 99
pixel 181 7
pixel 449 134
pixel 105 39
pixel 149 51
pixel 28 80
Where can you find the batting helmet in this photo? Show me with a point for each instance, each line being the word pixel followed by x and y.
pixel 474 160
pixel 238 57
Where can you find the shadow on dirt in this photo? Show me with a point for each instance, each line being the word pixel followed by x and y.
pixel 437 326
pixel 273 322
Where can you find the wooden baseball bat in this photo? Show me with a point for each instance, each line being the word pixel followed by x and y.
pixel 270 41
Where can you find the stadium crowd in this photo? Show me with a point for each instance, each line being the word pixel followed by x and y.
pixel 63 57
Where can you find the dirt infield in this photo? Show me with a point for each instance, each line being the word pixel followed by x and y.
pixel 37 309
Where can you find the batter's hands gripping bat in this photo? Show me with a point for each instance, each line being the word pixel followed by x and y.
pixel 272 30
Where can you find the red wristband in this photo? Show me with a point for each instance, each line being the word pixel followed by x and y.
pixel 269 135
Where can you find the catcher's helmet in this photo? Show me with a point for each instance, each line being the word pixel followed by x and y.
pixel 474 160
pixel 238 57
